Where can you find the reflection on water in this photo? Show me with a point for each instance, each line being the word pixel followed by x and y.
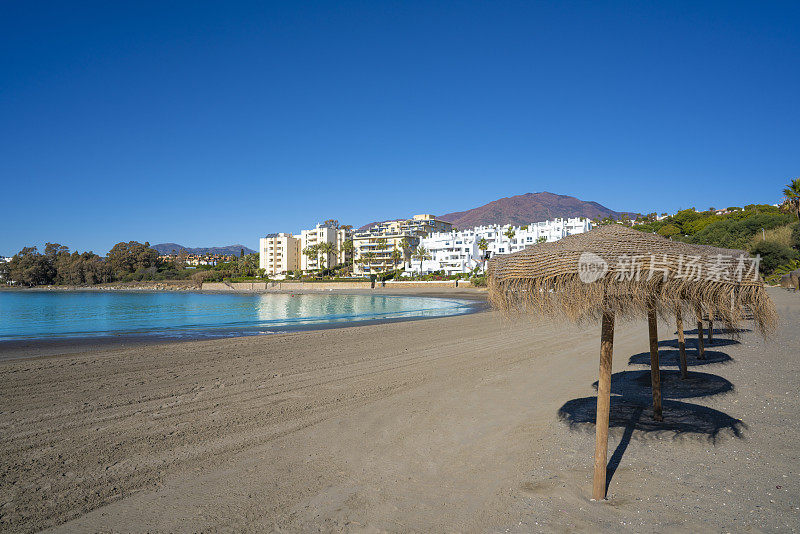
pixel 30 315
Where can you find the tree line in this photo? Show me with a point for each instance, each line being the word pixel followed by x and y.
pixel 58 266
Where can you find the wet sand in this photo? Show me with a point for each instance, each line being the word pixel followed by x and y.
pixel 464 423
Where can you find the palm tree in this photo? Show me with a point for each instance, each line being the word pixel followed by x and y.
pixel 366 260
pixel 325 250
pixel 510 233
pixel 311 251
pixel 791 195
pixel 347 250
pixel 380 249
pixel 405 245
pixel 421 254
pixel 396 257
pixel 483 246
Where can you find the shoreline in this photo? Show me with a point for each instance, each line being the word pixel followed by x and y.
pixel 33 348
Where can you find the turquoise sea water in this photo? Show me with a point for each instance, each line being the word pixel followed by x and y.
pixel 66 314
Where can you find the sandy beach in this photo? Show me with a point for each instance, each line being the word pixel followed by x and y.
pixel 467 423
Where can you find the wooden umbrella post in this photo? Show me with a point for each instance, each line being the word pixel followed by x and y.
pixel 681 342
pixel 701 353
pixel 603 407
pixel 655 374
pixel 710 329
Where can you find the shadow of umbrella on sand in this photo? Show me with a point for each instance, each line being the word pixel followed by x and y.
pixel 615 271
pixel 682 420
pixel 636 385
pixel 671 358
pixel 633 420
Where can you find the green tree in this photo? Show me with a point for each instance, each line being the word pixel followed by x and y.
pixel 510 233
pixel 311 251
pixel 325 250
pixel 669 230
pixel 29 268
pixel 126 258
pixel 366 259
pixel 483 246
pixel 347 250
pixel 421 254
pixel 791 195
pixel 405 247
pixel 396 256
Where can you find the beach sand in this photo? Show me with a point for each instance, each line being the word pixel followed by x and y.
pixel 464 423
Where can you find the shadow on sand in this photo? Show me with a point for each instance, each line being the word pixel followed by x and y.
pixel 671 358
pixel 719 331
pixel 691 343
pixel 632 404
pixel 635 385
pixel 681 419
pixel 635 418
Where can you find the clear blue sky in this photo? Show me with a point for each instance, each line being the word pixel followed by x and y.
pixel 215 123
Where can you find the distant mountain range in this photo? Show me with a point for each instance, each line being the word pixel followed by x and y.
pixel 527 208
pixel 229 250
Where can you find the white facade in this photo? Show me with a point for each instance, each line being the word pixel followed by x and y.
pixel 279 253
pixel 387 245
pixel 459 251
pixel 318 235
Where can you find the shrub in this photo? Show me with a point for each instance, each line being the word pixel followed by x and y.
pixel 773 255
pixel 732 233
pixel 478 281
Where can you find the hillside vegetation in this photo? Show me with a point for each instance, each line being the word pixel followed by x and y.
pixel 760 229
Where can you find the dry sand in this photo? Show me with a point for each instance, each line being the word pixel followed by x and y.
pixel 452 424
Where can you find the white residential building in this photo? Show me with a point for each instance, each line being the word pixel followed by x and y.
pixel 387 245
pixel 459 251
pixel 279 253
pixel 321 234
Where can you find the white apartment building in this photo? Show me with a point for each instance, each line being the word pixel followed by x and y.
pixel 279 253
pixel 388 245
pixel 459 251
pixel 320 234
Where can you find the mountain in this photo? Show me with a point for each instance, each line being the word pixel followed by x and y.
pixel 230 250
pixel 529 208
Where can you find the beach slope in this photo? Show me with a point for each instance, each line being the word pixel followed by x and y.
pixel 463 423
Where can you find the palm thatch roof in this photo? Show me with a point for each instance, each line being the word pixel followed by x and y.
pixel 615 268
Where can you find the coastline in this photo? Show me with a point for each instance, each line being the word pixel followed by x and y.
pixel 53 347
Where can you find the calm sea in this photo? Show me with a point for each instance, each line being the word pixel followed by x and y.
pixel 65 314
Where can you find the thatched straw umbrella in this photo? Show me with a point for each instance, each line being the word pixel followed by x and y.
pixel 615 271
pixel 703 250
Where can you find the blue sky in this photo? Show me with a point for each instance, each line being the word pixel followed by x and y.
pixel 214 123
